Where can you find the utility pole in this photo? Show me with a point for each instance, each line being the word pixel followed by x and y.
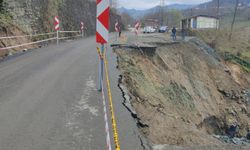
pixel 218 14
pixel 114 3
pixel 232 25
pixel 191 12
pixel 162 5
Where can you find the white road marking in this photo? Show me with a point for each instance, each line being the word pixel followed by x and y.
pixel 79 108
pixel 83 103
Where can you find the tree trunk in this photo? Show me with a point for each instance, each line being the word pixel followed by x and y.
pixel 232 25
pixel 218 14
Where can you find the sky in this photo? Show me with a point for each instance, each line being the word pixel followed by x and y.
pixel 145 4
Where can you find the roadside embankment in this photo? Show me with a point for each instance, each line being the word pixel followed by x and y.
pixel 7 29
pixel 183 95
pixel 236 50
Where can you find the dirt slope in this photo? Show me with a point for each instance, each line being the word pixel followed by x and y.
pixel 182 94
pixel 239 45
pixel 9 29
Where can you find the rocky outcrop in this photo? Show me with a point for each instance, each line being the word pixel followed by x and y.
pixel 36 16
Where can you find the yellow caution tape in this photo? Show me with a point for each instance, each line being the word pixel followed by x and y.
pixel 113 120
pixel 99 52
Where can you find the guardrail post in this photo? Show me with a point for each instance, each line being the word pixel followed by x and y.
pixel 57 37
pixel 101 65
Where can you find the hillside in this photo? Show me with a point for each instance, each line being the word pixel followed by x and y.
pixel 140 13
pixel 208 8
pixel 223 3
pixel 226 11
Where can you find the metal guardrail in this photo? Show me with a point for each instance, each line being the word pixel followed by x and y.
pixel 63 38
pixel 240 61
pixel 55 37
pixel 69 31
pixel 26 44
pixel 20 36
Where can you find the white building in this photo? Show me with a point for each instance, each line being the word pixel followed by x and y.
pixel 200 22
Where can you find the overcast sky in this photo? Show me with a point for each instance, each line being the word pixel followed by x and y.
pixel 144 4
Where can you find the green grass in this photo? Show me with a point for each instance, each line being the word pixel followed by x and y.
pixel 238 47
pixel 246 54
pixel 238 60
pixel 246 69
pixel 240 22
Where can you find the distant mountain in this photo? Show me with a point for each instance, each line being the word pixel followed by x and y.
pixel 226 8
pixel 140 13
pixel 203 8
pixel 223 4
pixel 180 6
pixel 132 12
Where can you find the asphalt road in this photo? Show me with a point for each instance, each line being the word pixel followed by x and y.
pixel 49 100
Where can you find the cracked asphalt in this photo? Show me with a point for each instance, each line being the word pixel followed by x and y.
pixel 49 100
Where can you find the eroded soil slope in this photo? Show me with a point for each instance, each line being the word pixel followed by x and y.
pixel 183 95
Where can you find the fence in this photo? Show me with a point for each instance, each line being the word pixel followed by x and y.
pixel 228 56
pixel 62 35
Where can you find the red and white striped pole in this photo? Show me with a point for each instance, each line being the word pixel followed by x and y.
pixel 102 31
pixel 137 27
pixel 82 28
pixel 117 29
pixel 57 28
pixel 117 26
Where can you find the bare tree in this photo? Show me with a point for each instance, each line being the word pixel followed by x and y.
pixel 218 14
pixel 162 5
pixel 114 4
pixel 127 19
pixel 232 25
pixel 215 40
pixel 191 12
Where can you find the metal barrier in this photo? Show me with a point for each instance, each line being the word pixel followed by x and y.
pixel 26 44
pixel 228 56
pixel 55 37
pixel 20 36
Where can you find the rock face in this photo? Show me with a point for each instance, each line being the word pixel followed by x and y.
pixel 36 16
pixel 20 17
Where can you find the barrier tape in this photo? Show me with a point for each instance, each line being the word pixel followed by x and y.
pixel 113 120
pixel 10 47
pixel 108 141
pixel 20 36
pixel 99 53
